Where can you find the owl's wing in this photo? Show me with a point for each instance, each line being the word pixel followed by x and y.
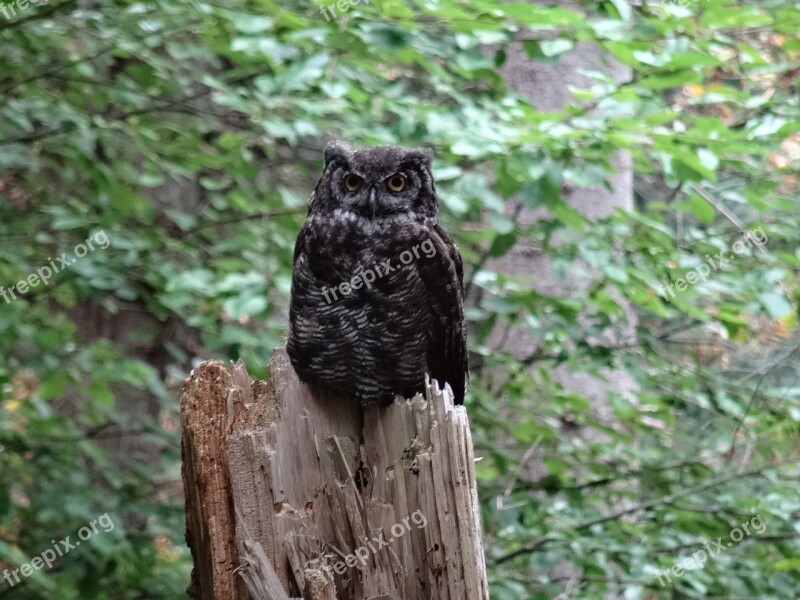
pixel 299 243
pixel 443 277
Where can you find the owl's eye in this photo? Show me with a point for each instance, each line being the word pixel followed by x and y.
pixel 396 183
pixel 352 182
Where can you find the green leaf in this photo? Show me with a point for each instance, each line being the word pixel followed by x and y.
pixel 547 49
pixel 775 303
pixel 667 80
pixel 251 23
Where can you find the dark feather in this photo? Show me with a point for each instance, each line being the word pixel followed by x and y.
pixel 380 339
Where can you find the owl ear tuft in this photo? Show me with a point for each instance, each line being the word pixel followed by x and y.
pixel 334 150
pixel 425 154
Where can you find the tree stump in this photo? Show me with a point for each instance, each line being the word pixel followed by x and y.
pixel 293 493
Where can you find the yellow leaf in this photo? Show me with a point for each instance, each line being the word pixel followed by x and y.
pixel 695 89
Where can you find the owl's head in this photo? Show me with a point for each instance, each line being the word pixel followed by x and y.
pixel 376 182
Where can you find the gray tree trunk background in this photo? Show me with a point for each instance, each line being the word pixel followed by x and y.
pixel 547 87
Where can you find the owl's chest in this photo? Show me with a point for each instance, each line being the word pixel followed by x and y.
pixel 342 248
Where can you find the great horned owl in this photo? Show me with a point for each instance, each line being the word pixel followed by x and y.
pixel 377 284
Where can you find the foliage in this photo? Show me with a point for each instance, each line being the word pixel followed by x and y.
pixel 190 133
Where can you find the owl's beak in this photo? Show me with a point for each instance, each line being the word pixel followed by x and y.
pixel 373 201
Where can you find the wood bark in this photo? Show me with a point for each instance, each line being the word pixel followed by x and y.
pixel 294 493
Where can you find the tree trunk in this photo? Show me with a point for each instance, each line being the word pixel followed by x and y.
pixel 304 494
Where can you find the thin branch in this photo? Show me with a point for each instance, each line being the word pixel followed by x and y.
pixel 512 483
pixel 38 15
pixel 650 468
pixel 734 219
pixel 754 395
pixel 267 214
pixel 724 212
pixel 163 105
pixel 650 504
pixel 486 254
pixel 48 72
pixel 753 539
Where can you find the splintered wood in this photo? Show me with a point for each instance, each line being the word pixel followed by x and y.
pixel 292 494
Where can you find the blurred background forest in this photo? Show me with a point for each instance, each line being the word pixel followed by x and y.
pixel 586 155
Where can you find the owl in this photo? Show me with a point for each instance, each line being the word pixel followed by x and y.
pixel 377 298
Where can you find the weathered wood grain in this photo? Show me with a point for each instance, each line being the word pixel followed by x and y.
pixel 343 502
